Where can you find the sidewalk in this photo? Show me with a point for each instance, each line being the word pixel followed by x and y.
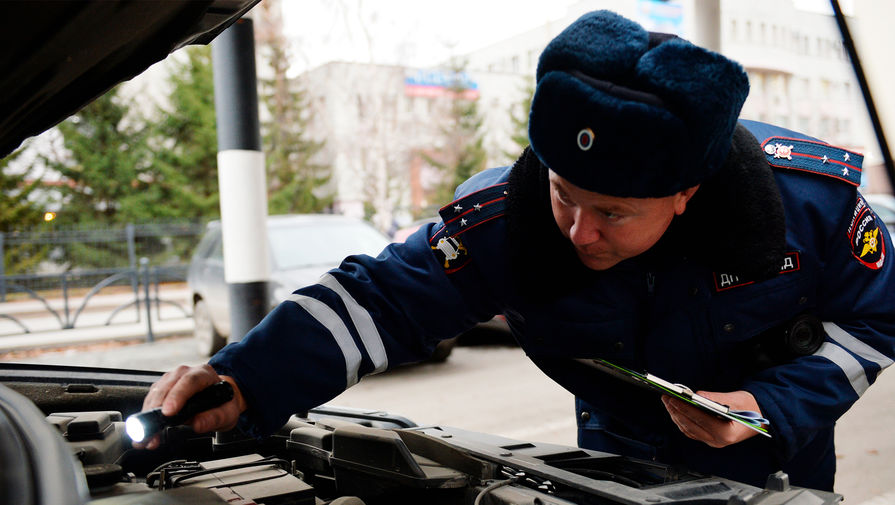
pixel 161 355
pixel 45 328
pixel 95 334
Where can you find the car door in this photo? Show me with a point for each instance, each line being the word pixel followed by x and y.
pixel 216 294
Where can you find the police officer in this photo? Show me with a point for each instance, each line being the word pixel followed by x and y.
pixel 645 226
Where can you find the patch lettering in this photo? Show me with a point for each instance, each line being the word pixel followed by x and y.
pixel 726 281
pixel 866 241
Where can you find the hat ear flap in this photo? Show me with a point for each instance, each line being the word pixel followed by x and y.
pixel 615 43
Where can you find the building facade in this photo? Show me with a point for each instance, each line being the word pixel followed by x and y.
pixel 799 71
pixel 382 123
pixel 379 128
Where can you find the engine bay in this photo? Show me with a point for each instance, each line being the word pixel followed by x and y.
pixel 329 455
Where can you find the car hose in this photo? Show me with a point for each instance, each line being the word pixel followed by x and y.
pixel 493 486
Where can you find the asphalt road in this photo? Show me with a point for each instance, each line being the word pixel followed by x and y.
pixel 497 390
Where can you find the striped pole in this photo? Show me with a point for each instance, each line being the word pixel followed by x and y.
pixel 241 177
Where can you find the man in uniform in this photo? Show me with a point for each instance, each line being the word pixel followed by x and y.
pixel 645 226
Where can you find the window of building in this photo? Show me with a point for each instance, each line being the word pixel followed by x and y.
pixel 777 84
pixel 756 82
pixel 824 129
pixel 800 88
pixel 825 88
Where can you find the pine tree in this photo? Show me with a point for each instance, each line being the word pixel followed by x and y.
pixel 184 180
pixel 519 120
pixel 20 210
pixel 294 181
pixel 104 175
pixel 464 154
pixel 103 169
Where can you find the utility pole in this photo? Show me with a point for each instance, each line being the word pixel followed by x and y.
pixel 707 24
pixel 241 177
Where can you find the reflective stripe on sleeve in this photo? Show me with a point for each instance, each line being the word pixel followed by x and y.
pixel 363 322
pixel 849 342
pixel 331 321
pixel 849 365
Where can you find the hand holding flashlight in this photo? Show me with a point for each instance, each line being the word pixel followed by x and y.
pixel 196 396
pixel 146 424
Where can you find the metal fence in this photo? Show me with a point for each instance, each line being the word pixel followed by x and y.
pixel 63 271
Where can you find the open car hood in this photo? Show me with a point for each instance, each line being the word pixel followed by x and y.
pixel 63 433
pixel 60 55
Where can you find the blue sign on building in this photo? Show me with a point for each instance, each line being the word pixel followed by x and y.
pixel 434 82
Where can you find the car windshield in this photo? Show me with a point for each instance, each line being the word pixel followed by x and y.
pixel 321 243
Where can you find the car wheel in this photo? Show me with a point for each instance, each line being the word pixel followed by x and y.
pixel 208 340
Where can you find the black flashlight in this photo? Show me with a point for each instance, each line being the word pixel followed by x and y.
pixel 146 424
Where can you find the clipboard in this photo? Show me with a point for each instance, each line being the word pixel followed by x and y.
pixel 747 418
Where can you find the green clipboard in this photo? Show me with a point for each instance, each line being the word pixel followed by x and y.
pixel 747 418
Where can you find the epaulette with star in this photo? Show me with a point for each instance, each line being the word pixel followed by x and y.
pixel 814 156
pixel 462 215
pixel 474 209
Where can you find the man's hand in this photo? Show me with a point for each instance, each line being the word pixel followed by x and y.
pixel 178 385
pixel 714 431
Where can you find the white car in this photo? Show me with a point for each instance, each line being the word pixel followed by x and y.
pixel 302 248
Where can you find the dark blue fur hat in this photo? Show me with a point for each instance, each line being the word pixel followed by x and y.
pixel 624 112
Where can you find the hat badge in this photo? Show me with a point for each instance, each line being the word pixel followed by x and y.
pixel 585 139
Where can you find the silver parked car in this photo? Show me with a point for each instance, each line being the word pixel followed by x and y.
pixel 302 248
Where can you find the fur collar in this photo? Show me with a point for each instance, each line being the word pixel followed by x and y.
pixel 733 224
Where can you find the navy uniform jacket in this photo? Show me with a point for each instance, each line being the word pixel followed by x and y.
pixel 756 247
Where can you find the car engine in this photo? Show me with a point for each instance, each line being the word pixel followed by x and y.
pixel 328 455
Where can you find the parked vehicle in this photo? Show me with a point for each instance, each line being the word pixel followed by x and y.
pixel 302 248
pixel 402 233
